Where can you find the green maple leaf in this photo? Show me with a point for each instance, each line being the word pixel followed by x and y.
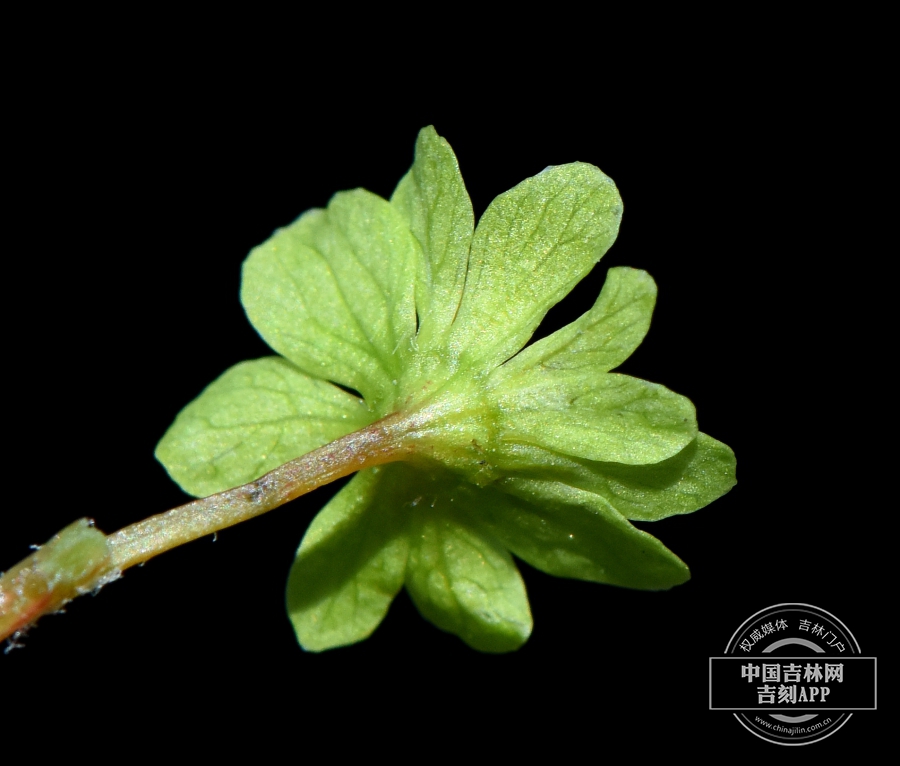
pixel 541 452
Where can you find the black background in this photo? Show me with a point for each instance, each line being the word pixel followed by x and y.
pixel 136 201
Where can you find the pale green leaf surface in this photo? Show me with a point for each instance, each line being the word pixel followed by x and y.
pixel 533 244
pixel 605 336
pixel 350 564
pixel 702 472
pixel 568 532
pixel 253 418
pixel 595 415
pixel 333 292
pixel 462 579
pixel 402 302
pixel 434 200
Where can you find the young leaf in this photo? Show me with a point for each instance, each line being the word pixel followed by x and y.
pixel 531 247
pixel 255 417
pixel 351 563
pixel 333 292
pixel 434 201
pixel 605 336
pixel 595 415
pixel 703 471
pixel 464 580
pixel 568 532
pixel 542 452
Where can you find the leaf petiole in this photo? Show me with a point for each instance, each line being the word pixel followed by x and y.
pixel 80 558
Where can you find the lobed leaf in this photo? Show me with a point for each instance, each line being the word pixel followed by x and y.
pixel 603 337
pixel 702 472
pixel 351 563
pixel 590 414
pixel 568 532
pixel 253 418
pixel 404 303
pixel 434 201
pixel 333 292
pixel 531 246
pixel 462 579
